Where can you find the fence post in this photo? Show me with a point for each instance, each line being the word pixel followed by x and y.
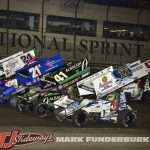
pixel 139 15
pixel 7 47
pixel 106 40
pixel 42 28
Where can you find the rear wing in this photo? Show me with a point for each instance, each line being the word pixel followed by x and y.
pixel 15 62
pixel 68 74
pixel 8 59
pixel 30 74
pixel 120 77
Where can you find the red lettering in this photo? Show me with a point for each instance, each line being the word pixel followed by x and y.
pixel 9 143
pixel 3 137
pixel 147 64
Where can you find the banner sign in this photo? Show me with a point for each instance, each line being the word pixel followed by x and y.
pixel 85 86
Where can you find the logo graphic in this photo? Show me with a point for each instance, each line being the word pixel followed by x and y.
pixel 11 64
pixel 10 139
pixel 104 79
pixel 48 64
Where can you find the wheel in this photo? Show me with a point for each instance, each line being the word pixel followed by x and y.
pixel 21 105
pixel 41 109
pixel 13 101
pixel 59 116
pixel 127 118
pixel 146 97
pixel 80 118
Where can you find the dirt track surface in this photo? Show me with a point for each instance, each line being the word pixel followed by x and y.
pixel 11 117
pixel 28 123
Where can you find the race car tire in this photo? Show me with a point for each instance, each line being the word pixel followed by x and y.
pixel 80 118
pixel 127 118
pixel 13 101
pixel 58 114
pixel 41 109
pixel 146 97
pixel 21 105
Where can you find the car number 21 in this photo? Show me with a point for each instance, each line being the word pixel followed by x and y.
pixel 35 71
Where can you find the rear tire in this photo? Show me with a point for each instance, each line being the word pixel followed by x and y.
pixel 127 118
pixel 80 118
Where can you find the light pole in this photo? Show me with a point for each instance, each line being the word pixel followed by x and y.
pixel 75 25
pixel 42 28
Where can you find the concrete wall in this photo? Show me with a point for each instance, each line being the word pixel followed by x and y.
pixel 95 12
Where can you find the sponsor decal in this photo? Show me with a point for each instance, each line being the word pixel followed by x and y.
pixel 86 87
pixel 105 82
pixel 82 64
pixel 122 72
pixel 10 139
pixel 10 83
pixel 11 64
pixel 48 64
pixel 147 64
pixel 8 91
pixel 104 79
pixel 73 106
pixel 137 68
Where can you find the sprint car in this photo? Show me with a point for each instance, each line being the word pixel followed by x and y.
pixel 113 109
pixel 9 84
pixel 103 83
pixel 140 88
pixel 56 83
pixel 29 78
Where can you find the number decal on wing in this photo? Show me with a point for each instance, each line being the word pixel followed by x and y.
pixel 35 71
pixel 60 77
pixel 147 64
pixel 26 58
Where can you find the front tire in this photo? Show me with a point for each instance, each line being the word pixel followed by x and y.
pixel 127 118
pixel 80 118
pixel 21 105
pixel 41 109
pixel 60 117
pixel 13 102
